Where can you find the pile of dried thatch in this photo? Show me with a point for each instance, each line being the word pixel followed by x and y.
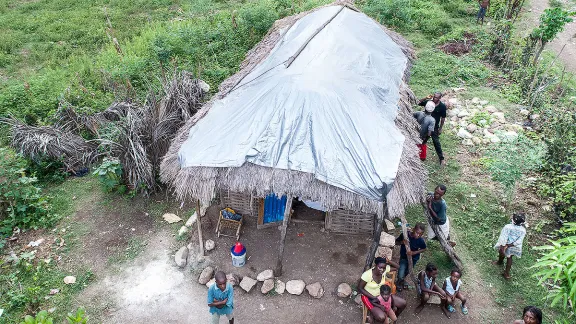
pixel 138 136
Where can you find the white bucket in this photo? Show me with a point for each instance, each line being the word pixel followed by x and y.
pixel 238 260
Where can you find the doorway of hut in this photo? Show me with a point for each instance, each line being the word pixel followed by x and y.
pixel 307 212
pixel 271 211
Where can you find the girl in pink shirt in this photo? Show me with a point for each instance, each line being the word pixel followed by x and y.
pixel 386 303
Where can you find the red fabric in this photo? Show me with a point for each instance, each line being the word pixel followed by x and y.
pixel 366 302
pixel 422 151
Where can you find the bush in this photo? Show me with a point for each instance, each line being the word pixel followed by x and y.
pixel 561 189
pixel 110 175
pixel 21 202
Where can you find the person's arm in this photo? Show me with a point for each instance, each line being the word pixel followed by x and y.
pixel 230 297
pixel 441 125
pixel 211 301
pixel 423 102
pixel 444 288
pixel 437 290
pixel 363 291
pixel 393 264
pixel 432 212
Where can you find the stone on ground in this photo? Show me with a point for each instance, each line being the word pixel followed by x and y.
pixel 181 257
pixel 232 279
pixel 69 280
pixel 500 116
pixel 534 117
pixel 295 287
pixel 171 218
pixel 476 140
pixel 344 290
pixel 384 252
pixel 467 142
pixel 524 112
pixel 475 100
pixel 280 287
pixel 462 133
pixel 247 283
pixel 191 220
pixel 463 113
pixel 267 286
pixel 206 275
pixel 454 101
pixel 210 282
pixel 183 230
pixel 434 299
pixel 453 112
pixel 315 290
pixel 490 109
pixel 471 128
pixel 494 139
pixel 510 135
pixel 387 239
pixel 264 275
pixel 358 299
pixel 210 245
pixel 389 225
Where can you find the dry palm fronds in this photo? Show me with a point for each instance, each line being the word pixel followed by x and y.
pixel 45 141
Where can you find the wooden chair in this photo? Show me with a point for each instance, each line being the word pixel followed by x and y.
pixel 224 223
pixel 391 280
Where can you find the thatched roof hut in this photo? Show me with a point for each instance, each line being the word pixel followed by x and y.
pixel 320 109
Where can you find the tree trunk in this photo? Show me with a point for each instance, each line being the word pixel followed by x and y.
pixel 443 240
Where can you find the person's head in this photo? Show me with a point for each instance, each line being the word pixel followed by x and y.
pixel 385 291
pixel 532 315
pixel 418 230
pixel 437 97
pixel 519 218
pixel 220 278
pixel 455 274
pixel 431 270
pixel 380 265
pixel 429 108
pixel 439 191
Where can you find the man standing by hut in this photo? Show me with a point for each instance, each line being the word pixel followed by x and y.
pixel 439 115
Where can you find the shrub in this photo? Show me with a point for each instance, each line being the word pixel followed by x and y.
pixel 41 318
pixel 110 175
pixel 561 189
pixel 21 202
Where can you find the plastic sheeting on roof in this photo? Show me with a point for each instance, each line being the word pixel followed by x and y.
pixel 331 113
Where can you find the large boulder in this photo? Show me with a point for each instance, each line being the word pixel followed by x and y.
pixel 387 240
pixel 181 257
pixel 384 252
pixel 264 275
pixel 206 275
pixel 280 287
pixel 315 290
pixel 247 283
pixel 295 287
pixel 344 290
pixel 267 286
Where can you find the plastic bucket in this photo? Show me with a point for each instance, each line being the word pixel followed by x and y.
pixel 238 259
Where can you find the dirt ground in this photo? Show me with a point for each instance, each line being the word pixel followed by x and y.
pixel 566 39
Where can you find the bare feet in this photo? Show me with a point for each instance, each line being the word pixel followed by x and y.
pixel 446 312
pixel 452 243
pixel 506 276
pixel 418 309
pixel 496 263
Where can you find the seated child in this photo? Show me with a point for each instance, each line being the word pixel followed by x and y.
pixel 427 286
pixel 386 303
pixel 451 287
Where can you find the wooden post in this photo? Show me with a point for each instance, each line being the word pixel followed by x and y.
pixel 287 209
pixel 443 240
pixel 376 238
pixel 407 246
pixel 199 222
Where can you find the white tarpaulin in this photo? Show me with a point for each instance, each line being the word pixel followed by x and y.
pixel 331 113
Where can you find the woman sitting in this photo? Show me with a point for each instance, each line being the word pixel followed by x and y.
pixel 369 286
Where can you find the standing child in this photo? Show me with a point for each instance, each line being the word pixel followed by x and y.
pixel 221 299
pixel 510 242
pixel 427 286
pixel 386 303
pixel 417 246
pixel 451 288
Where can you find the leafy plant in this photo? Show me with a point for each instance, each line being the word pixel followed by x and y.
pixel 481 116
pixel 562 191
pixel 558 267
pixel 21 202
pixel 41 318
pixel 110 175
pixel 552 22
pixel 79 317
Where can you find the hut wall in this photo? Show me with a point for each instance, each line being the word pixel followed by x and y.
pixel 350 222
pixel 241 202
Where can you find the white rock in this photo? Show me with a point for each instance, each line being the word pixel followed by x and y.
pixel 462 133
pixel 453 123
pixel 487 134
pixel 191 220
pixel 181 257
pixel 483 102
pixel 494 139
pixel 204 86
pixel 389 225
pixel 524 112
pixel 315 290
pixel 344 290
pixel 267 286
pixel 183 230
pixel 69 280
pixel 295 287
pixel 500 116
pixel 534 116
pixel 453 101
pixel 467 142
pixel 280 287
pixel 209 245
pixel 463 123
pixel 510 135
pixel 171 218
pixel 477 140
pixel 471 128
pixel 264 275
pixel 473 111
pixel 387 240
pixel 463 113
pixel 475 100
pixel 232 279
pixel 247 283
pixel 490 109
pixel 486 140
pixel 206 275
pixel 210 282
pixel 458 89
pixel 453 112
pixel 384 252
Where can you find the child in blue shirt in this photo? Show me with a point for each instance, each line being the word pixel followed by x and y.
pixel 221 299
